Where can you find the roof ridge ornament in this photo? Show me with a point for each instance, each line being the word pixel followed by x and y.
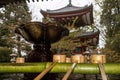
pixel 70 3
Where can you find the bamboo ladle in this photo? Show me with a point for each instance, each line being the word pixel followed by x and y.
pixel 69 72
pixel 56 58
pixel 100 59
pixel 75 59
pixel 104 77
pixel 45 71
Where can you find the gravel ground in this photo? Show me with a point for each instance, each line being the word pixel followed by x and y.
pixel 20 76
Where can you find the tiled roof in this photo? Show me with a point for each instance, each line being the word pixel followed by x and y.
pixel 67 9
pixel 89 34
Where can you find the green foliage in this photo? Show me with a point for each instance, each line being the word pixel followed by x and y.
pixel 11 16
pixel 67 42
pixel 111 56
pixel 5 54
pixel 3 33
pixel 110 18
pixel 114 43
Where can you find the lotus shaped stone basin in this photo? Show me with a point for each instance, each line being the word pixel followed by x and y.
pixel 37 32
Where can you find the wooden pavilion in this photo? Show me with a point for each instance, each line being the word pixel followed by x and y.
pixel 77 16
pixel 87 39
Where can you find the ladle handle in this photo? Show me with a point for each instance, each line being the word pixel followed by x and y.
pixel 104 77
pixel 45 71
pixel 69 71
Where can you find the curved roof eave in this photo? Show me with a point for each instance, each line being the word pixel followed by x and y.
pixel 67 8
pixel 89 34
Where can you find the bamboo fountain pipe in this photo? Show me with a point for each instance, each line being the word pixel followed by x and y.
pixel 81 68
